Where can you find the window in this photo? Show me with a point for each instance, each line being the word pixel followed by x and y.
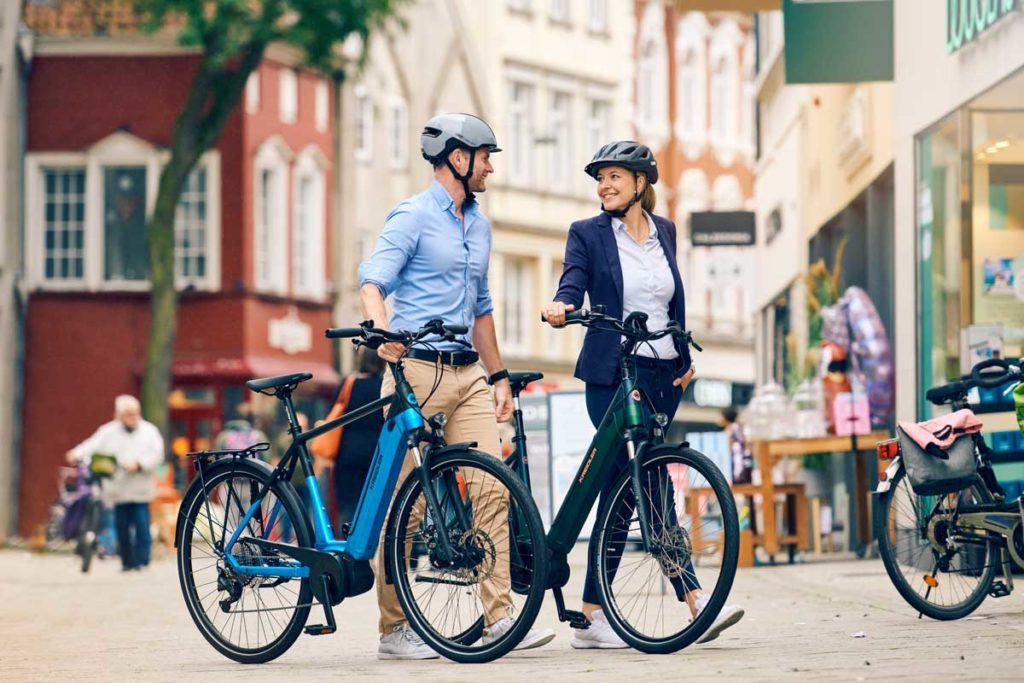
pixel 597 16
pixel 322 106
pixel 561 147
pixel 560 11
pixel 517 305
pixel 308 248
pixel 519 5
pixel 725 91
pixel 652 77
pixel 748 103
pixel 599 124
pixel 124 223
pixel 398 135
pixel 252 93
pixel 364 124
pixel 289 96
pixel 190 246
pixel 726 194
pixel 86 215
pixel 270 217
pixel 64 257
pixel 691 83
pixel 521 134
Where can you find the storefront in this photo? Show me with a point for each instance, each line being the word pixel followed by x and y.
pixel 960 186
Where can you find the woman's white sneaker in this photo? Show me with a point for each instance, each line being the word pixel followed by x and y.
pixel 535 637
pixel 403 643
pixel 729 616
pixel 598 636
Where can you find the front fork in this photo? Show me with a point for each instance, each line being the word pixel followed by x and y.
pixel 446 551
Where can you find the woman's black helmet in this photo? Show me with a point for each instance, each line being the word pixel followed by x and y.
pixel 627 154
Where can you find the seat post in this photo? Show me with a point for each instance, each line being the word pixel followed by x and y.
pixel 289 409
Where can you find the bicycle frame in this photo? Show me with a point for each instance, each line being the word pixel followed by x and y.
pixel 400 433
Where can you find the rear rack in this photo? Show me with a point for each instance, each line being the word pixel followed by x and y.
pixel 210 456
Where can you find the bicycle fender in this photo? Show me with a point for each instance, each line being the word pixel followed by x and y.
pixel 452 447
pixel 890 473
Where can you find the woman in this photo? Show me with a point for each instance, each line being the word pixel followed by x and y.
pixel 359 439
pixel 624 260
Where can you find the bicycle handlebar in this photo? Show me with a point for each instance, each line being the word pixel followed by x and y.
pixel 368 335
pixel 990 380
pixel 633 328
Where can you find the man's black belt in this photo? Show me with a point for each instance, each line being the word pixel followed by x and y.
pixel 456 358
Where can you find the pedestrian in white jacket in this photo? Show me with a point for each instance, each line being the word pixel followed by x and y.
pixel 138 448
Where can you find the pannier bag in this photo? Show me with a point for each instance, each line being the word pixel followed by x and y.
pixel 934 470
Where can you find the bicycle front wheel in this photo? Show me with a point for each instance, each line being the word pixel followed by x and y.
pixel 250 619
pixel 89 537
pixel 464 606
pixel 649 595
pixel 939 570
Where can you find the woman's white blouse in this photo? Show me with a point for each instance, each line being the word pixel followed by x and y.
pixel 646 284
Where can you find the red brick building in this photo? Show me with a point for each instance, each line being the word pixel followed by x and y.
pixel 252 248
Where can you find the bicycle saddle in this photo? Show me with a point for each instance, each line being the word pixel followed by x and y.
pixel 278 382
pixel 519 380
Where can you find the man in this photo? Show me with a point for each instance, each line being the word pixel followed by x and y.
pixel 432 258
pixel 139 449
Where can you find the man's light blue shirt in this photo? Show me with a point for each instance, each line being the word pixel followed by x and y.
pixel 434 264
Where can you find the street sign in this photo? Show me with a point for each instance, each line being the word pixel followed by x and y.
pixel 722 228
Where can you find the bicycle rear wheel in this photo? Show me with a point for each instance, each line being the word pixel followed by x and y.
pixel 249 619
pixel 693 524
pixel 89 537
pixel 938 571
pixel 466 609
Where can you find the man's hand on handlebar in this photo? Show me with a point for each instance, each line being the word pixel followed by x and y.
pixel 391 352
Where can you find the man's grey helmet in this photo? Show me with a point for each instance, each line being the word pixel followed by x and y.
pixel 446 132
pixel 627 154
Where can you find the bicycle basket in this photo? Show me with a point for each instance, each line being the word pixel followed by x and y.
pixel 934 475
pixel 102 465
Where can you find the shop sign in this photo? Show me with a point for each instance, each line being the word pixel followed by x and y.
pixel 968 19
pixel 290 334
pixel 832 41
pixel 722 228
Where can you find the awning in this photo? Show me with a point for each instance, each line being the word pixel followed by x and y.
pixel 252 367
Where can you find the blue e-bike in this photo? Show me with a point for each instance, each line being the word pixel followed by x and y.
pixel 253 556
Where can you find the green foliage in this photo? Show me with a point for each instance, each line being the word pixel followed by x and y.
pixel 226 29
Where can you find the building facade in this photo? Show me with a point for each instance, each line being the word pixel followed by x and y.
pixel 694 105
pixel 518 65
pixel 959 200
pixel 251 241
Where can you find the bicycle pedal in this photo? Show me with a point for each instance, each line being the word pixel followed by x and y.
pixel 576 619
pixel 998 589
pixel 319 630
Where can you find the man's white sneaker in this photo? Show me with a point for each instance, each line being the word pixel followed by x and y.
pixel 535 637
pixel 598 636
pixel 403 643
pixel 729 616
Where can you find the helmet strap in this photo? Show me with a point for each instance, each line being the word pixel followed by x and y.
pixel 464 179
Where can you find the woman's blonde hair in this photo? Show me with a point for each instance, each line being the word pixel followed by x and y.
pixel 648 198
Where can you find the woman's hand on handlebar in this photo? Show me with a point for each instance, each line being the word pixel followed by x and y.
pixel 685 380
pixel 554 313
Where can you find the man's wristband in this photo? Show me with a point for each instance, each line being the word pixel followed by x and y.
pixel 498 376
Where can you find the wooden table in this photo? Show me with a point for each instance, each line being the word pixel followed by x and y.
pixel 768 452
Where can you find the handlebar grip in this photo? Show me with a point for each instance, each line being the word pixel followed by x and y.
pixel 576 315
pixel 992 380
pixel 343 332
pixel 456 329
pixel 695 345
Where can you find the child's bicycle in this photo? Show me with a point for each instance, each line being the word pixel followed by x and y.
pixel 942 538
pixel 670 509
pixel 252 558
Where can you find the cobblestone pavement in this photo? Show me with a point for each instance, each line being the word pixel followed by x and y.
pixel 58 625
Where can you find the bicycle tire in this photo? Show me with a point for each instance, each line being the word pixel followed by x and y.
pixel 891 554
pixel 454 646
pixel 88 538
pixel 609 526
pixel 193 507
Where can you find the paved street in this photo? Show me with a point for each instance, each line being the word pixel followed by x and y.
pixel 59 625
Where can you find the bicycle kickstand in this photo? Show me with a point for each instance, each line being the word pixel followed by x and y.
pixel 330 627
pixel 575 619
